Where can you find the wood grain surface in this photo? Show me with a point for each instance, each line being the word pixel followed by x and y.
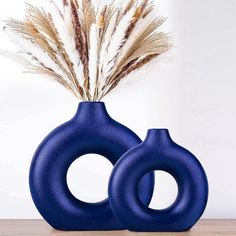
pixel 41 228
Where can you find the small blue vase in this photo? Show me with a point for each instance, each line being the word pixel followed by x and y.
pixel 158 152
pixel 91 130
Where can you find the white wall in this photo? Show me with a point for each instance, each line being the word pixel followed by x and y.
pixel 208 94
pixel 191 92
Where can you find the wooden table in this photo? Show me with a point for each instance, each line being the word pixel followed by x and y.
pixel 40 228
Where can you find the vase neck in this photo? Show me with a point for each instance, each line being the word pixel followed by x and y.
pixel 90 111
pixel 158 137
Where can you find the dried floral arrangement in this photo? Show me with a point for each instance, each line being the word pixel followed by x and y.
pixel 89 49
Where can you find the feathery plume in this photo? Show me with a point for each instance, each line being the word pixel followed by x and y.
pixel 89 48
pixel 93 58
pixel 116 43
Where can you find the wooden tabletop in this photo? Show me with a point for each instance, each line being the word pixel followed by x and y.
pixel 40 228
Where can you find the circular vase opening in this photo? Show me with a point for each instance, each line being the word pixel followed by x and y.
pixel 165 191
pixel 88 176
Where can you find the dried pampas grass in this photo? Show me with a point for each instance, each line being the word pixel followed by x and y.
pixel 89 49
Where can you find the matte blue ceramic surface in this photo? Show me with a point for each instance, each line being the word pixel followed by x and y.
pixel 91 130
pixel 158 152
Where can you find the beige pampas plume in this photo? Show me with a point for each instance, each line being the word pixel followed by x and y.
pixel 93 58
pixel 116 43
pixel 89 48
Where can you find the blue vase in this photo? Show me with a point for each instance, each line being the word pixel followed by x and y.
pixel 91 130
pixel 158 152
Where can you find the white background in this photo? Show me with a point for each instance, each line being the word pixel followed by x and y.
pixel 192 91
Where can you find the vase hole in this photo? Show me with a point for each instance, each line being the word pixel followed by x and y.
pixel 88 176
pixel 165 191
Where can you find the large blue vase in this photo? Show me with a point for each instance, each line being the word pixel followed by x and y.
pixel 91 130
pixel 158 152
